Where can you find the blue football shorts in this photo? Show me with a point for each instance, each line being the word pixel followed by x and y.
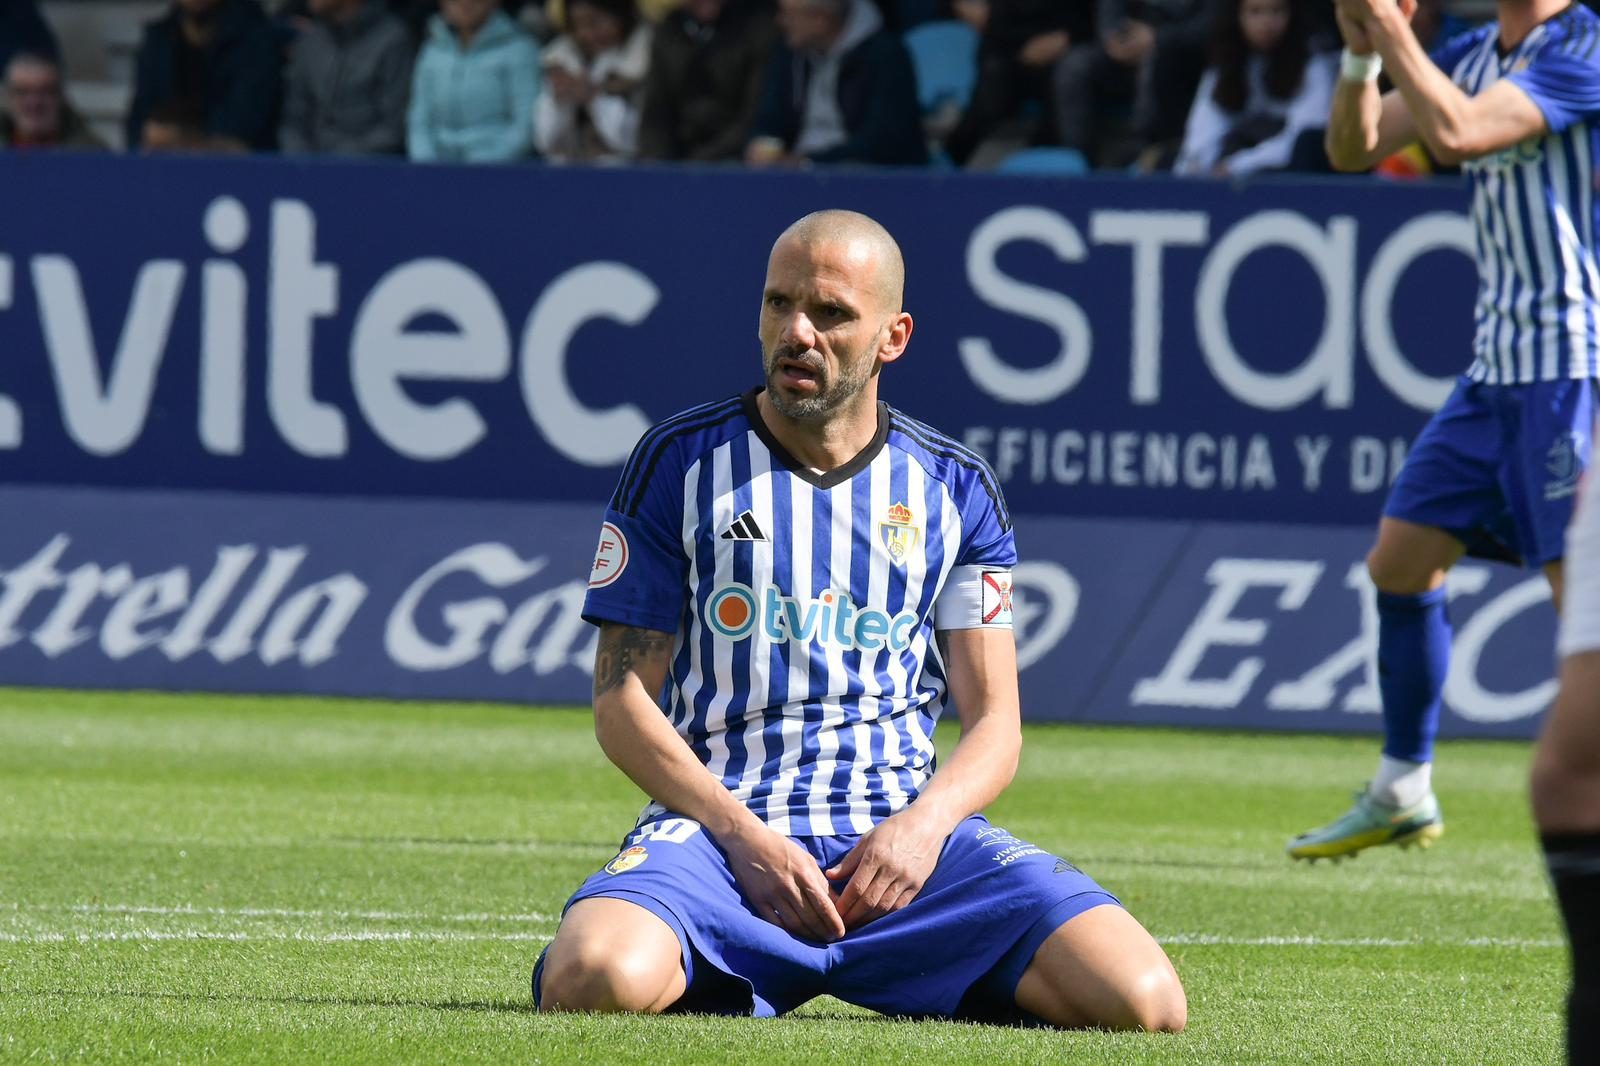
pixel 1498 468
pixel 957 950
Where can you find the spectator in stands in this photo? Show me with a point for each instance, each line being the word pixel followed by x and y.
pixel 23 29
pixel 37 114
pixel 473 93
pixel 705 77
pixel 218 58
pixel 1264 88
pixel 348 79
pixel 594 80
pixel 839 88
pixel 1022 40
pixel 1137 42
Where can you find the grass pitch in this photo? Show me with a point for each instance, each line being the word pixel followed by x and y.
pixel 240 880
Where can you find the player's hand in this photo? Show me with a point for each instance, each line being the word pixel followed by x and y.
pixel 1375 17
pixel 1353 31
pixel 783 884
pixel 887 867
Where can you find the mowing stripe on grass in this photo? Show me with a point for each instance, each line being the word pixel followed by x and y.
pixel 299 935
pixel 1209 939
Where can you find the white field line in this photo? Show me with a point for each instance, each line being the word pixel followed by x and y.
pixel 274 912
pixel 296 936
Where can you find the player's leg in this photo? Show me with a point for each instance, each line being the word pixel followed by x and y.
pixel 1566 762
pixel 1450 487
pixel 1566 805
pixel 1102 969
pixel 1004 931
pixel 1408 565
pixel 611 955
pixel 665 926
pixel 1566 775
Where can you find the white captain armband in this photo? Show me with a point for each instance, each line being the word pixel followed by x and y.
pixel 974 597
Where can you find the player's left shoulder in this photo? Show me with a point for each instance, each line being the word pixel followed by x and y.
pixel 961 469
pixel 1574 34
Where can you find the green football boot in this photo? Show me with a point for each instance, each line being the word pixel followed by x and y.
pixel 1369 823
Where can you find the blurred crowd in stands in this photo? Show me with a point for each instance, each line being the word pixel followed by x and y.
pixel 1219 87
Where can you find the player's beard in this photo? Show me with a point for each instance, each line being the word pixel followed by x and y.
pixel 832 392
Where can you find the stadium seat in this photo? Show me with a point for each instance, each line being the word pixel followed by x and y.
pixel 945 58
pixel 1066 162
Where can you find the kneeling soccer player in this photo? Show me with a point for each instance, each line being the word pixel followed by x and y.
pixel 781 565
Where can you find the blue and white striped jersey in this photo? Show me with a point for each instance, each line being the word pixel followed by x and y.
pixel 1534 205
pixel 805 673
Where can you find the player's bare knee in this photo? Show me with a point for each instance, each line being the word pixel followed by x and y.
pixel 591 977
pixel 1156 1003
pixel 1397 575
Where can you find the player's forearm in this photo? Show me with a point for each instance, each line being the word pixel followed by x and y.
pixel 640 742
pixel 1352 136
pixel 979 768
pixel 1438 108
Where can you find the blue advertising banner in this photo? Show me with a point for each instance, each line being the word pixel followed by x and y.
pixel 1117 348
pixel 1240 625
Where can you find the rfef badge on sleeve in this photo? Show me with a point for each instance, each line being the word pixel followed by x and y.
pixel 996 606
pixel 610 557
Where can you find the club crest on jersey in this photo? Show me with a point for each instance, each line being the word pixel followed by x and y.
pixel 899 533
pixel 627 860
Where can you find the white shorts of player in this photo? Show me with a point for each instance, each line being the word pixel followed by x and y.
pixel 1580 617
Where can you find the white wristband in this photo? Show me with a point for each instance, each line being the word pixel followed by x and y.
pixel 1359 68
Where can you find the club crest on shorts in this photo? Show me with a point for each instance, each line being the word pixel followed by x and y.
pixel 627 860
pixel 899 533
pixel 1564 464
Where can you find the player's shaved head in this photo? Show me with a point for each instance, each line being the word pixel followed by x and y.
pixel 865 238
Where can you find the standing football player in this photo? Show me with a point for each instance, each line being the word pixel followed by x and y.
pixel 806 578
pixel 1517 104
pixel 1566 777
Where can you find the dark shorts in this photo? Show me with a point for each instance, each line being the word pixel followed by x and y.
pixel 1498 468
pixel 957 950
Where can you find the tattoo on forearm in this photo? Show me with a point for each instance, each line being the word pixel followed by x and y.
pixel 622 650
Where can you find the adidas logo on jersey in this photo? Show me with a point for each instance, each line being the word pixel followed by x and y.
pixel 744 528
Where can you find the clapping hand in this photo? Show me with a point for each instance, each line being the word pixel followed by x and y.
pixel 1359 20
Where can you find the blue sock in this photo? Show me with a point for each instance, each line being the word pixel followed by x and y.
pixel 1413 658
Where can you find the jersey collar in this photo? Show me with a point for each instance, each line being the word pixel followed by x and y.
pixel 828 478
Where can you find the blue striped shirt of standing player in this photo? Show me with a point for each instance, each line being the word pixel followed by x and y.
pixel 1534 204
pixel 805 674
